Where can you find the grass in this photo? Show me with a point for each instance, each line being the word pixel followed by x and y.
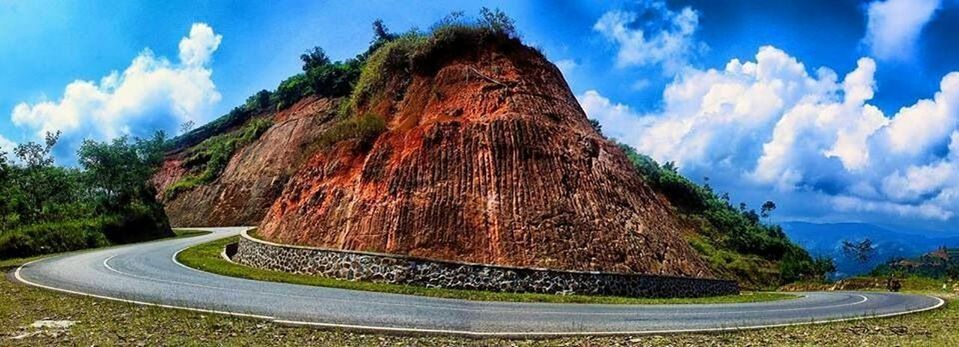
pixel 206 257
pixel 103 322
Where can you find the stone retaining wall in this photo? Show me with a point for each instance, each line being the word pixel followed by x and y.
pixel 387 268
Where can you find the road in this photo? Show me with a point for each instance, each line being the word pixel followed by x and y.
pixel 148 274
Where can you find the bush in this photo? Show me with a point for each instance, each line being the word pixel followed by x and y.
pixel 334 80
pixel 53 237
pixel 208 159
pixel 291 90
pixel 363 129
pixel 236 117
pixel 400 56
pixel 140 222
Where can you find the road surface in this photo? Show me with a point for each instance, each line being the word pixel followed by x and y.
pixel 147 273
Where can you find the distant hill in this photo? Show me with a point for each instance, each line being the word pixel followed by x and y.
pixel 826 240
pixel 941 263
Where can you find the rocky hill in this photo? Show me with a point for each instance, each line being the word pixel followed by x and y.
pixel 457 144
pixel 254 175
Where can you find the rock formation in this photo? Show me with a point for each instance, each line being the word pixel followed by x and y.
pixel 255 175
pixel 487 158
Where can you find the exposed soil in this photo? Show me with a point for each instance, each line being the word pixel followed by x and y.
pixel 256 174
pixel 487 159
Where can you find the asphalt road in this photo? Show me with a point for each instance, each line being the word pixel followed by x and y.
pixel 148 274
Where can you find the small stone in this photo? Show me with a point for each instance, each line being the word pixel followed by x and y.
pixel 53 324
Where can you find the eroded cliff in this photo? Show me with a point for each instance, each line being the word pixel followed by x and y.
pixel 486 157
pixel 254 175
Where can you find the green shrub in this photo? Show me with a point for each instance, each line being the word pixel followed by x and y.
pixel 291 90
pixel 53 237
pixel 334 79
pixel 363 129
pixel 139 222
pixel 259 102
pixel 400 56
pixel 208 159
pixel 235 118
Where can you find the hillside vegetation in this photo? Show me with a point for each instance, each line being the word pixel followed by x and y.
pixel 732 239
pixel 942 263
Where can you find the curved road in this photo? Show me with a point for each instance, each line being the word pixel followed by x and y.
pixel 147 274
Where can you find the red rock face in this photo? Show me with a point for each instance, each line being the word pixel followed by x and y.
pixel 255 175
pixel 489 159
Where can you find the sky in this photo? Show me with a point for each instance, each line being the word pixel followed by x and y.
pixel 839 111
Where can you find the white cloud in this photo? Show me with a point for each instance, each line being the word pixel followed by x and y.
pixel 768 123
pixel 151 94
pixel 894 26
pixel 198 48
pixel 654 35
pixel 6 146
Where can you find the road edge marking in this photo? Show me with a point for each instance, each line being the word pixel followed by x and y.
pixel 474 334
pixel 20 278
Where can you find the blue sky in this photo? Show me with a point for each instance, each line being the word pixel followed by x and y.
pixel 814 104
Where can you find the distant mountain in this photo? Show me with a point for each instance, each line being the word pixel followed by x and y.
pixel 826 240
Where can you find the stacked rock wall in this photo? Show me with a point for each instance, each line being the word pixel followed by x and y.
pixel 387 268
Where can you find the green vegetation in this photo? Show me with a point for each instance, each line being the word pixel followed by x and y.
pixel 734 240
pixel 207 257
pixel 909 283
pixel 208 159
pixel 45 208
pixel 942 263
pixel 363 129
pixel 395 58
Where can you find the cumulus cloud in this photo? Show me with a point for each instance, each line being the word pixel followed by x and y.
pixel 651 35
pixel 6 146
pixel 894 26
pixel 770 123
pixel 151 94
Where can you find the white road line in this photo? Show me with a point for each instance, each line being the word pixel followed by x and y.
pixel 19 277
pixel 864 299
pixel 527 334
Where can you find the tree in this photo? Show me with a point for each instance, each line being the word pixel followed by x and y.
pixel 187 126
pixel 119 171
pixel 38 189
pixel 35 155
pixel 117 174
pixel 670 166
pixel 596 126
pixel 381 33
pixel 6 198
pixel 823 266
pixel 861 251
pixel 259 101
pixel 291 90
pixel 498 21
pixel 767 208
pixel 314 58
